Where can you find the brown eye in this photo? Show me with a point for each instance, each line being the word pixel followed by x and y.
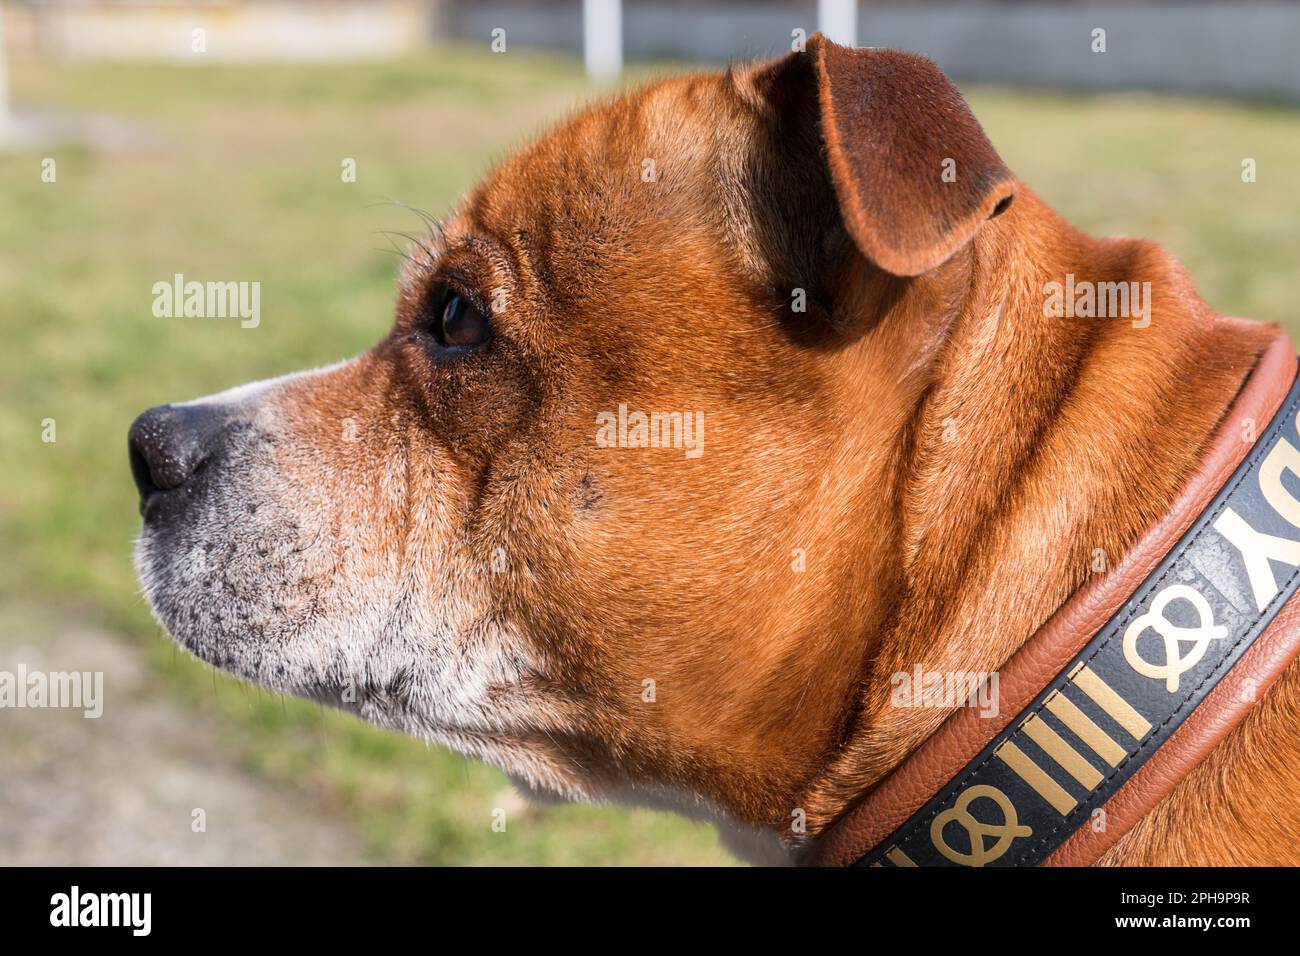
pixel 461 326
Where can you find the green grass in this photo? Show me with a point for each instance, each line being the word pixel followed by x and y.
pixel 1170 169
pixel 237 177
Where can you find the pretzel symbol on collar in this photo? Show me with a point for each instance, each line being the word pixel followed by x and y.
pixel 1002 833
pixel 1174 636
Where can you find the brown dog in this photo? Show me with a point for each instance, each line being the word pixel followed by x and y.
pixel 815 294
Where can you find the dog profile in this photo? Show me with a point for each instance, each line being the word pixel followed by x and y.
pixel 493 529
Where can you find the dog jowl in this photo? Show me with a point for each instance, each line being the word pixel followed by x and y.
pixel 432 536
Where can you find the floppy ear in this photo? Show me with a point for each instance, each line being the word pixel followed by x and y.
pixel 913 172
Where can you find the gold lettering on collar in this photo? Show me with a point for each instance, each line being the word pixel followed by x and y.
pixel 1257 548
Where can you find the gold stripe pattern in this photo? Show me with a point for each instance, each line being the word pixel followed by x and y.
pixel 1115 706
pixel 1032 774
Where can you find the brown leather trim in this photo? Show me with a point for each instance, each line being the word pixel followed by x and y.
pixel 1043 656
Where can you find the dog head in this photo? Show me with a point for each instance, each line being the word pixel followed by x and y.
pixel 604 506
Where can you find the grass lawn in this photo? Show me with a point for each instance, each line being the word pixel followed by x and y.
pixel 237 177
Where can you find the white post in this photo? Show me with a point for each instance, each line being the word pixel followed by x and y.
pixel 4 79
pixel 602 38
pixel 838 20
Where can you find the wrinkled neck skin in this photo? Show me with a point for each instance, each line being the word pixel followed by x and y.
pixel 988 454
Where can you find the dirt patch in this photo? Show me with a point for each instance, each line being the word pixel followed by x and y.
pixel 132 786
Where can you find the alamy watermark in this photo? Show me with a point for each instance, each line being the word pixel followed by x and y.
pixel 56 690
pixel 634 429
pixel 209 300
pixel 947 689
pixel 1085 299
pixel 133 911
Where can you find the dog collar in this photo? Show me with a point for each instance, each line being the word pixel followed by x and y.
pixel 1129 685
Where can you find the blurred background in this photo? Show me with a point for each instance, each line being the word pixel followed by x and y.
pixel 143 139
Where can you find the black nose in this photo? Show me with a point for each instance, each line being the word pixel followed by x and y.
pixel 170 444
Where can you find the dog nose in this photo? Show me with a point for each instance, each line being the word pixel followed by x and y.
pixel 170 443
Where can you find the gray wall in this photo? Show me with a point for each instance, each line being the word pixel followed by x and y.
pixel 1219 46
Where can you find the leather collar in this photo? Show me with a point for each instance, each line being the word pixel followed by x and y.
pixel 1092 719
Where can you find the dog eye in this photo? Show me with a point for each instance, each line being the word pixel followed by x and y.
pixel 461 326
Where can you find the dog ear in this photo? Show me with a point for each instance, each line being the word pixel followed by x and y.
pixel 913 170
pixel 914 175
